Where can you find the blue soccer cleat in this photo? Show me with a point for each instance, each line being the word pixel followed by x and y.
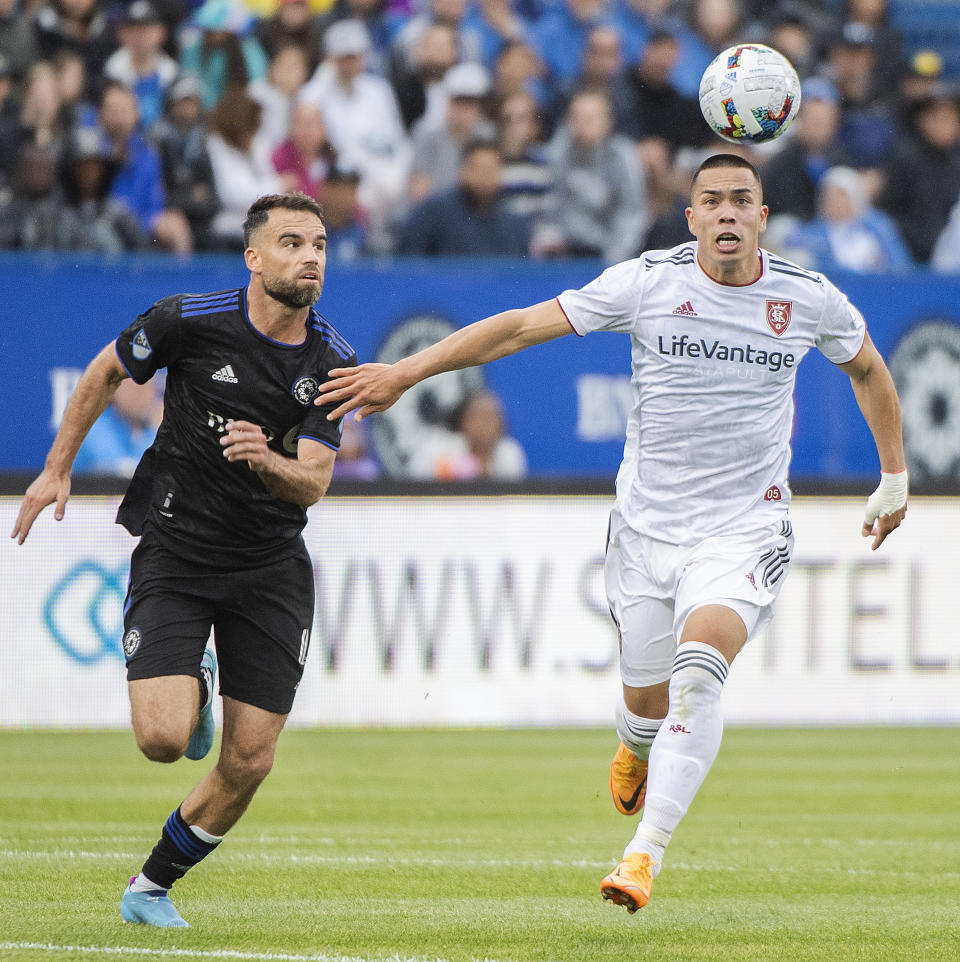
pixel 201 741
pixel 150 908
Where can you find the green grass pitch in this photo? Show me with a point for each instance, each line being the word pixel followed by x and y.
pixel 803 845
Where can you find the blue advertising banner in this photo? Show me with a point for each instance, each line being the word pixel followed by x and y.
pixel 566 402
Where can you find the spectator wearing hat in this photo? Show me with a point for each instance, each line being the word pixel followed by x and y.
pixel 866 124
pixel 218 47
pixel 343 217
pixel 470 220
pixel 242 170
pixel 920 77
pixel 437 150
pixel 82 26
pixel 363 124
pixel 140 63
pixel 922 178
pixel 181 141
pixel 138 177
pixel 104 223
pixel 18 45
pixel 378 17
pixel 885 39
pixel 791 176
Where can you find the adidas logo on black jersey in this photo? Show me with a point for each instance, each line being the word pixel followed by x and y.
pixel 225 374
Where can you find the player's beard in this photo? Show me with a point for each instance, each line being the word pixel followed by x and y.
pixel 290 293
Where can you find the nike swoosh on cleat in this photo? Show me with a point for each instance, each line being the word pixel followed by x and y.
pixel 630 802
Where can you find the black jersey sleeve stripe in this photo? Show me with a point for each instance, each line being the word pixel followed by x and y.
pixel 332 336
pixel 193 303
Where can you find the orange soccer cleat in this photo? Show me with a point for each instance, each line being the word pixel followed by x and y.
pixel 628 781
pixel 630 882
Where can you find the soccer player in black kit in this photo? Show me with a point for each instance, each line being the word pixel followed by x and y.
pixel 219 502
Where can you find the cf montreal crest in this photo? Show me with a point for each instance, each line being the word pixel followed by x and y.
pixel 131 642
pixel 778 315
pixel 305 390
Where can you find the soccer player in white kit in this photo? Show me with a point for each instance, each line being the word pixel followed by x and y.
pixel 700 539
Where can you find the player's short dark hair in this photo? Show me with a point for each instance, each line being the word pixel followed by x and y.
pixel 260 210
pixel 729 160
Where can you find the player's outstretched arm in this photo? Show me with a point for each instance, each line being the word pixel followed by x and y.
pixel 93 393
pixel 370 388
pixel 877 398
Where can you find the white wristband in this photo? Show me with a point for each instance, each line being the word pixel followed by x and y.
pixel 890 496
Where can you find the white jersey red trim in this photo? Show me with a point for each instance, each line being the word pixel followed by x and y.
pixel 708 439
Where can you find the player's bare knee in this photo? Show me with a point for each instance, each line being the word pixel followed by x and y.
pixel 246 770
pixel 160 744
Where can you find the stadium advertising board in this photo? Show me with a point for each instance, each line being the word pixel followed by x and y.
pixel 566 401
pixel 490 611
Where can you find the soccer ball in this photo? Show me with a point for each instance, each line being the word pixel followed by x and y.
pixel 749 94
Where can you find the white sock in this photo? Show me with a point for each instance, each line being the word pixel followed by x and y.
pixel 685 746
pixel 142 884
pixel 635 731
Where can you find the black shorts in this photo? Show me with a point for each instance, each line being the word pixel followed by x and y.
pixel 261 619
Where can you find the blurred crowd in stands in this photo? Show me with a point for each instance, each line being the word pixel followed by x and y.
pixel 538 128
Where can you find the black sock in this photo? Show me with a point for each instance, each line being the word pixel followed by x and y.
pixel 178 850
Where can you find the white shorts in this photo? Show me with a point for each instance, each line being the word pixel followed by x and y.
pixel 653 587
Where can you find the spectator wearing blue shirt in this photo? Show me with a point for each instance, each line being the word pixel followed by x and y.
pixel 560 40
pixel 714 26
pixel 471 220
pixel 342 215
pixel 496 24
pixel 123 432
pixel 138 181
pixel 847 233
pixel 140 63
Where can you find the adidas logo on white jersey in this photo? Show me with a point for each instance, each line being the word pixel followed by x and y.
pixel 686 309
pixel 225 374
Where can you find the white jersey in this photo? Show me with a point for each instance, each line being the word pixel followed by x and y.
pixel 708 439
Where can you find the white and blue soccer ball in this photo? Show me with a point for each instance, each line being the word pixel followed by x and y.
pixel 749 94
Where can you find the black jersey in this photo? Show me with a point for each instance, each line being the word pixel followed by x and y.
pixel 221 368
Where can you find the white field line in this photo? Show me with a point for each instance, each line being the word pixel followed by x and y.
pixel 126 950
pixel 294 859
